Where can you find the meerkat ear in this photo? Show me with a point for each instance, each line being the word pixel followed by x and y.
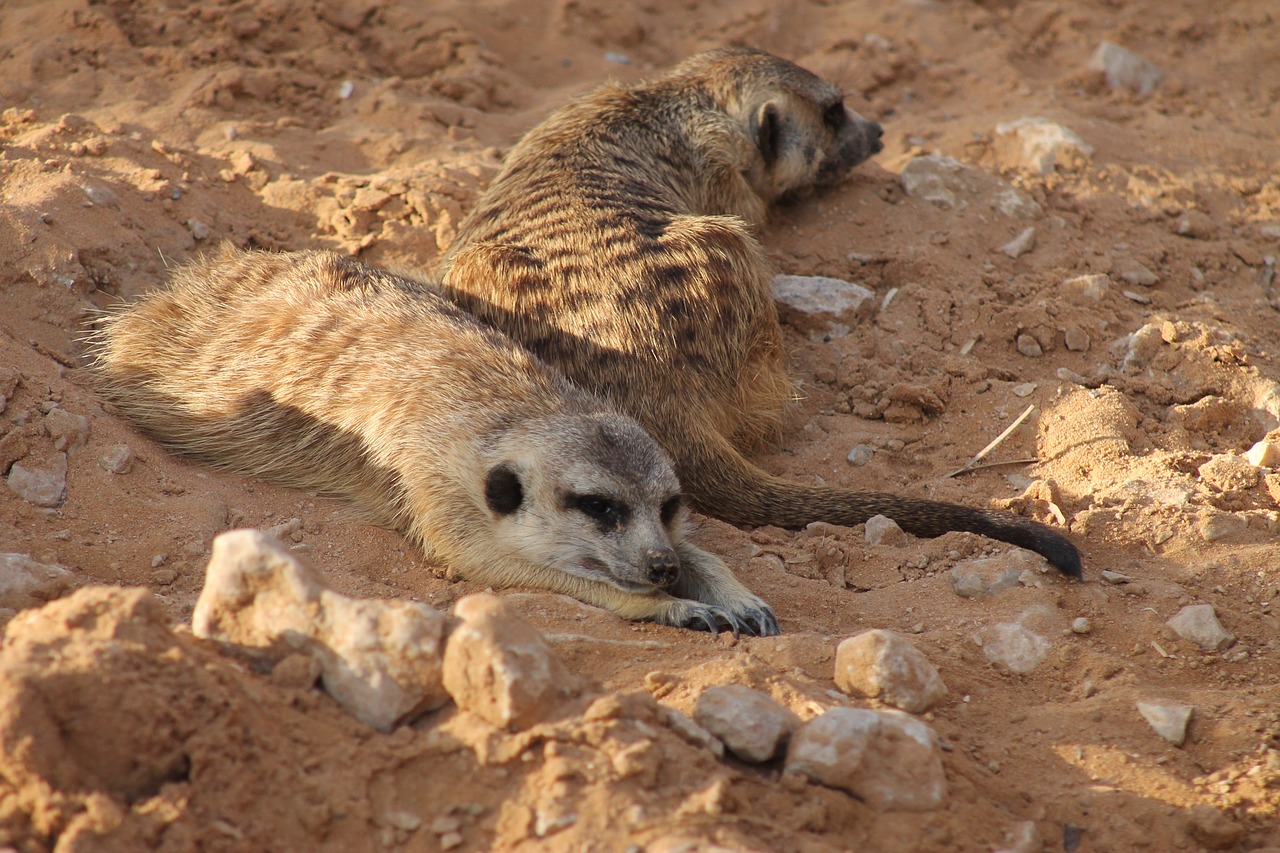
pixel 765 127
pixel 502 490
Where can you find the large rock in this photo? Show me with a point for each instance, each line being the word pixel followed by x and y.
pixel 888 759
pixel 497 666
pixel 885 666
pixel 380 659
pixel 752 725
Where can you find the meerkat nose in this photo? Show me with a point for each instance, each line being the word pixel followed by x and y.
pixel 664 567
pixel 874 133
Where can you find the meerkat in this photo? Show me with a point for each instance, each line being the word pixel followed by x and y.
pixel 616 243
pixel 315 371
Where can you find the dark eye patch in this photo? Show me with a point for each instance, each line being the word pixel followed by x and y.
pixel 502 490
pixel 835 116
pixel 606 512
pixel 670 508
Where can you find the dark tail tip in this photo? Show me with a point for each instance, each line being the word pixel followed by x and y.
pixel 1064 556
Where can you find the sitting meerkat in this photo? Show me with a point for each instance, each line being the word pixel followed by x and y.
pixel 314 371
pixel 616 244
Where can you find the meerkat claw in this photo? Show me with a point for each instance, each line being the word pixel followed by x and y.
pixel 763 622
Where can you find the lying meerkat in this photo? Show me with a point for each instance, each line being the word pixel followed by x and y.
pixel 314 371
pixel 616 244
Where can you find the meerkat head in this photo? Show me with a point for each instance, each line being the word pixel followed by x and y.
pixel 593 496
pixel 802 133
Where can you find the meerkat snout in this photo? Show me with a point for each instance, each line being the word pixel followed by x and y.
pixel 664 567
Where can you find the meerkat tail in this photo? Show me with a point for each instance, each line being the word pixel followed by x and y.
pixel 722 483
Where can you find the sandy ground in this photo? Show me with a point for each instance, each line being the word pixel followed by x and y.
pixel 136 134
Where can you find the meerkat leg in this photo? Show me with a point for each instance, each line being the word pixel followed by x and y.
pixel 704 577
pixel 656 606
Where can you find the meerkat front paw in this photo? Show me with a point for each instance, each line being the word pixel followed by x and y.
pixel 705 579
pixel 694 615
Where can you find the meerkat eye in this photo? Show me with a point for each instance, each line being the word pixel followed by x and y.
pixel 834 117
pixel 599 508
pixel 670 508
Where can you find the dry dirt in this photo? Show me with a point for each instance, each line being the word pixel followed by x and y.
pixel 136 134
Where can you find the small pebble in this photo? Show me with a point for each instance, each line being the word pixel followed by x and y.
pixel 99 195
pixel 884 531
pixel 1114 577
pixel 1131 272
pixel 1093 286
pixel 1198 623
pixel 1081 625
pixel 1020 245
pixel 861 455
pixel 198 229
pixel 1029 346
pixel 117 459
pixel 1169 721
pixel 1125 69
pixel 346 90
pixel 1077 339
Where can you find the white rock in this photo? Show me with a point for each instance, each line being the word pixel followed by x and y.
pixel 24 582
pixel 1039 145
pixel 1198 623
pixel 885 666
pixel 44 486
pixel 888 759
pixel 497 666
pixel 882 530
pixel 1081 625
pixel 1169 721
pixel 1014 645
pixel 1264 454
pixel 815 294
pixel 1125 69
pixel 752 725
pixel 1093 286
pixel 1020 245
pixel 380 659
